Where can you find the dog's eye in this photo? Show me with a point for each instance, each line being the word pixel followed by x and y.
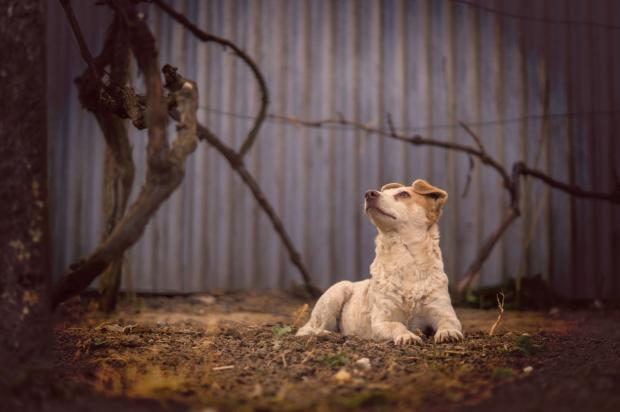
pixel 403 195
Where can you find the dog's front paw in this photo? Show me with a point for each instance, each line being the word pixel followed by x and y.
pixel 448 335
pixel 305 331
pixel 408 338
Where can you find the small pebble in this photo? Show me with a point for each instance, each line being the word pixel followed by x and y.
pixel 528 369
pixel 342 376
pixel 363 363
pixel 204 299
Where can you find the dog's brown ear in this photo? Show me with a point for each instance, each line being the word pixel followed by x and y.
pixel 391 186
pixel 424 188
pixel 436 197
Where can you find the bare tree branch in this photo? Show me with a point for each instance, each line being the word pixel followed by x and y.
pixel 513 212
pixel 144 49
pixel 470 171
pixel 389 122
pixel 415 140
pixel 119 169
pixel 75 27
pixel 262 84
pixel 473 271
pixel 165 171
pixel 613 197
pixel 236 163
pixel 480 153
pixel 573 190
pixel 164 166
pixel 510 181
pixel 472 135
pixel 157 188
pixel 119 172
pixel 234 158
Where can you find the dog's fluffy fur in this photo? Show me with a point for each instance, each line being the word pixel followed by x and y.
pixel 408 288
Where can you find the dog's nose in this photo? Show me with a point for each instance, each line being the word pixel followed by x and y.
pixel 371 194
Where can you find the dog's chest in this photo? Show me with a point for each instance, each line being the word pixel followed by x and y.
pixel 406 281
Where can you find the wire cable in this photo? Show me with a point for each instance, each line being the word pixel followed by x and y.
pixel 537 19
pixel 278 119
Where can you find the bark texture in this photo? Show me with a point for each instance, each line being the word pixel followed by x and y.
pixel 25 328
pixel 119 169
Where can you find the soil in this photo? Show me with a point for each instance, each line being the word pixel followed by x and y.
pixel 238 352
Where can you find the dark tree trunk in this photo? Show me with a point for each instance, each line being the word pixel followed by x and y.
pixel 25 328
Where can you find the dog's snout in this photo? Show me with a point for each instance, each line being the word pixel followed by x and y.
pixel 371 194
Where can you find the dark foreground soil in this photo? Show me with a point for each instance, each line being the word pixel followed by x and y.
pixel 239 352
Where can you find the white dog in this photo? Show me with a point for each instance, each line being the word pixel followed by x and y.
pixel 408 288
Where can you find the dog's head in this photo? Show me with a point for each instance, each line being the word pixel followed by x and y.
pixel 397 207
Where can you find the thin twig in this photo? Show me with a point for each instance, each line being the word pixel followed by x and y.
pixel 542 200
pixel 500 310
pixel 485 250
pixel 75 27
pixel 223 368
pixel 236 158
pixel 237 164
pixel 573 190
pixel 472 135
pixel 480 153
pixel 390 124
pixel 469 175
pixel 262 84
pixel 536 19
pixel 511 181
pixel 300 315
pixel 415 140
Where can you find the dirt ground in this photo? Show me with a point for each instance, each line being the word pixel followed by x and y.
pixel 238 352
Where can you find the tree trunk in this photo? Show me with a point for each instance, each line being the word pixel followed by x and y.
pixel 118 170
pixel 25 328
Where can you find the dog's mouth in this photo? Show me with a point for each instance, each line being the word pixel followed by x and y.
pixel 379 210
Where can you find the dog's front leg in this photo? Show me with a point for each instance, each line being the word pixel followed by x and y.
pixel 387 322
pixel 438 308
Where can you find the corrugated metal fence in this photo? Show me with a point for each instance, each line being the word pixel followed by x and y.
pixel 543 92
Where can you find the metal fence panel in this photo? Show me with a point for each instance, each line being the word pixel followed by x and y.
pixel 545 93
